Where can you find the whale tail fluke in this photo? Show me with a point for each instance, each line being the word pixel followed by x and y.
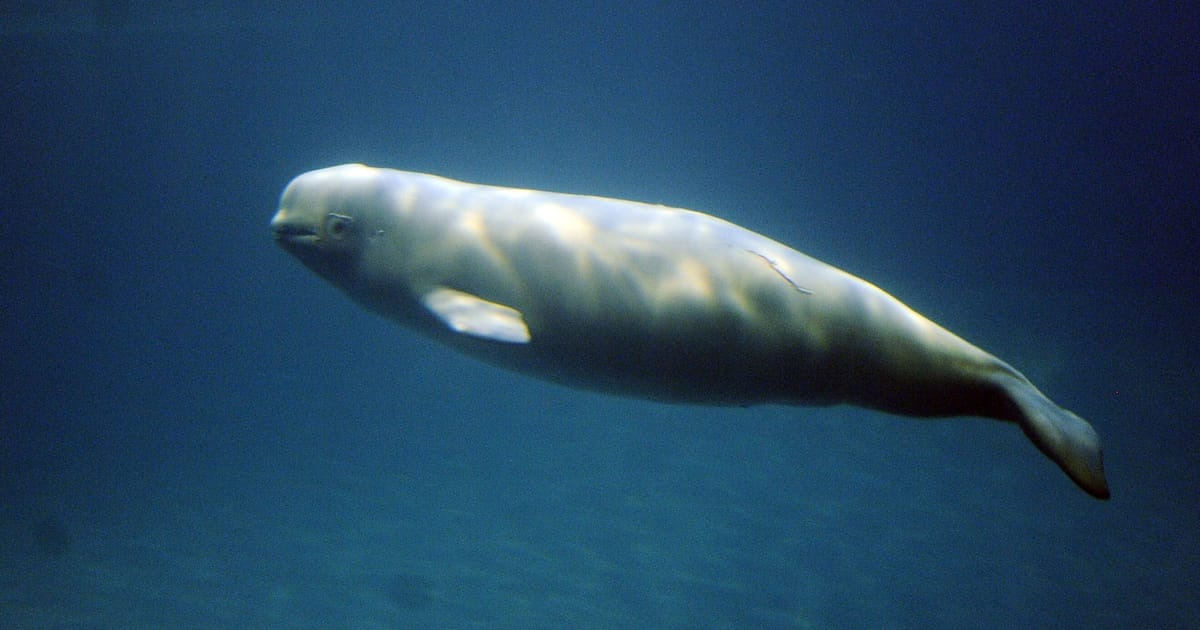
pixel 1063 436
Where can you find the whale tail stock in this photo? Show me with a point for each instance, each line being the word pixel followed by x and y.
pixel 1063 436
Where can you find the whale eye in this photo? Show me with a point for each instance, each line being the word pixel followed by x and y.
pixel 337 226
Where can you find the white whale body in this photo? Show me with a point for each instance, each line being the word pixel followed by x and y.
pixel 648 301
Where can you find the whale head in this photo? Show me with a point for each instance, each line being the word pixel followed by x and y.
pixel 324 219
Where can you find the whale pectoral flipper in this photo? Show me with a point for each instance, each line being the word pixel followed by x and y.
pixel 1063 436
pixel 475 316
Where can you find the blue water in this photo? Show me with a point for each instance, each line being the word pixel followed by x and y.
pixel 197 432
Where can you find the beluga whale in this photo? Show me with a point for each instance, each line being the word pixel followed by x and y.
pixel 648 301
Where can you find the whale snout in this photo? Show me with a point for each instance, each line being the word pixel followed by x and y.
pixel 292 233
pixel 284 225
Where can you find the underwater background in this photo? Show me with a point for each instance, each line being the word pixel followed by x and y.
pixel 197 432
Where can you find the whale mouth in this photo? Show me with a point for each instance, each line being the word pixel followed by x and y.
pixel 285 231
pixel 298 240
pixel 289 231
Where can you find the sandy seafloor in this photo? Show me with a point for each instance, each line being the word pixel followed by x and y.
pixel 196 432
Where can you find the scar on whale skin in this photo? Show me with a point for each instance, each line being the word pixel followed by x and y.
pixel 775 266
